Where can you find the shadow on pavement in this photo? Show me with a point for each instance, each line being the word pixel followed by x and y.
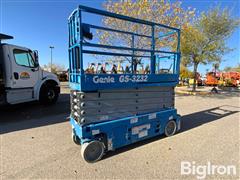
pixel 26 115
pixel 189 122
pixel 193 120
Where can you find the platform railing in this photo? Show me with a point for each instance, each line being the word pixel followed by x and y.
pixel 78 46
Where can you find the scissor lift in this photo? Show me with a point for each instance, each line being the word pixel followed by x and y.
pixel 111 109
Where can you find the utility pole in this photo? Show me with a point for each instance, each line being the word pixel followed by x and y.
pixel 51 47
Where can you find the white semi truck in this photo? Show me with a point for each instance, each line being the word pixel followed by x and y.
pixel 21 77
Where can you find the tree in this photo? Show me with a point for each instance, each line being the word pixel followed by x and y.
pixel 237 68
pixel 162 11
pixel 205 41
pixel 55 67
pixel 216 66
pixel 185 73
pixel 229 68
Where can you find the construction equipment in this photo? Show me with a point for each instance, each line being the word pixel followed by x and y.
pixel 21 77
pixel 114 109
pixel 227 79
pixel 212 78
pixel 199 81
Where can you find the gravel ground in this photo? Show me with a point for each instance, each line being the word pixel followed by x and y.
pixel 36 143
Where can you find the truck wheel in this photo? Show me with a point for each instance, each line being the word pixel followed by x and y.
pixel 48 94
pixel 75 138
pixel 92 151
pixel 170 128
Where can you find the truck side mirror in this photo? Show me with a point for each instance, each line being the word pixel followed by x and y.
pixel 36 58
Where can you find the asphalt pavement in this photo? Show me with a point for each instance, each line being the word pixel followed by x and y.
pixel 36 143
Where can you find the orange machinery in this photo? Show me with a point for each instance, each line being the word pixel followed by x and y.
pixel 223 79
pixel 212 78
pixel 230 79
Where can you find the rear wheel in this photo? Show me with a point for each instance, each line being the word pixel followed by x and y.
pixel 170 128
pixel 92 151
pixel 75 138
pixel 49 94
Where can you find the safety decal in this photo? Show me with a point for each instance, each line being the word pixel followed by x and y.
pixel 152 116
pixel 94 132
pixel 134 120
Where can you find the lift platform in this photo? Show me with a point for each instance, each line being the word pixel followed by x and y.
pixel 122 77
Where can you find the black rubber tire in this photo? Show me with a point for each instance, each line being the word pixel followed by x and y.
pixel 48 94
pixel 92 151
pixel 170 128
pixel 75 138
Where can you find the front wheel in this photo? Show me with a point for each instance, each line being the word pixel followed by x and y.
pixel 170 128
pixel 92 151
pixel 49 94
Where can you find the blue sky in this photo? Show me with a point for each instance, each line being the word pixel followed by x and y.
pixel 39 24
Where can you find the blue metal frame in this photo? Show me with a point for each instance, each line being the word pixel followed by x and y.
pixel 120 132
pixel 94 82
pixel 79 80
pixel 116 133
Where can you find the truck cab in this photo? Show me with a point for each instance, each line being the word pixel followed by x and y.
pixel 21 77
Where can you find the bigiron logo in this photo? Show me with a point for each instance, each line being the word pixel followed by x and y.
pixel 208 169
